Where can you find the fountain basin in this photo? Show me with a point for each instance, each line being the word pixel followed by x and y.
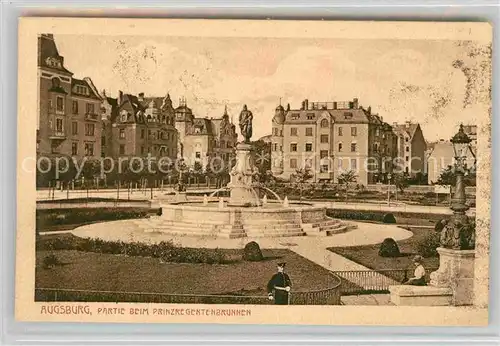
pixel 270 220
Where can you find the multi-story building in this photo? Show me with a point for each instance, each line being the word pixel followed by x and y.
pixel 68 108
pixel 329 138
pixel 203 138
pixel 411 148
pixel 138 126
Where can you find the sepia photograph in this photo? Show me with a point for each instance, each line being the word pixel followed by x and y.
pixel 212 174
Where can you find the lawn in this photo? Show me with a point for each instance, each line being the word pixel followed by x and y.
pixel 368 255
pixel 94 271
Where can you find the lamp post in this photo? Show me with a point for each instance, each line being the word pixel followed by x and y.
pixel 458 234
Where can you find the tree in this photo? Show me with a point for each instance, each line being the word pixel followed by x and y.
pixel 346 179
pixel 301 177
pixel 448 177
pixel 401 181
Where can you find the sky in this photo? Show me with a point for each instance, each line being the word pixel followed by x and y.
pixel 402 80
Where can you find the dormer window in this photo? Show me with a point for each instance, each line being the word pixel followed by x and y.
pixel 56 82
pixel 310 116
pixel 348 115
pixel 53 62
pixel 295 116
pixel 124 116
pixel 82 90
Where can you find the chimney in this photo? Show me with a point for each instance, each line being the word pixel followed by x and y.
pixel 287 107
pixel 141 97
pixel 120 97
pixel 335 105
pixel 306 104
pixel 355 103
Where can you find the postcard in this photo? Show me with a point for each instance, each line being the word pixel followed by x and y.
pixel 253 171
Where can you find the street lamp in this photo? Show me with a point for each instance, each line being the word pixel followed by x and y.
pixel 459 233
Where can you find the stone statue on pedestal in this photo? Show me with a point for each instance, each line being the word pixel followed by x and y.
pixel 245 122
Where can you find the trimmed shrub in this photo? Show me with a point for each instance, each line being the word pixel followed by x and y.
pixel 50 261
pixel 389 218
pixel 252 252
pixel 428 246
pixel 389 248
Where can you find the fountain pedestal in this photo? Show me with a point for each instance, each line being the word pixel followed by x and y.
pixel 242 179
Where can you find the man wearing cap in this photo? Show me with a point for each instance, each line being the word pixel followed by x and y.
pixel 418 278
pixel 278 287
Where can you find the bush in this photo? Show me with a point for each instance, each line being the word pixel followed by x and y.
pixel 427 247
pixel 50 261
pixel 438 227
pixel 389 218
pixel 389 248
pixel 252 252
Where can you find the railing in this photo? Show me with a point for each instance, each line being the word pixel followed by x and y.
pixel 327 296
pixel 371 281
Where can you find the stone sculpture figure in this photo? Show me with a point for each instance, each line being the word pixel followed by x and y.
pixel 245 122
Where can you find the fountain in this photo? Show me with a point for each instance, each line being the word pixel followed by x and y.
pixel 244 214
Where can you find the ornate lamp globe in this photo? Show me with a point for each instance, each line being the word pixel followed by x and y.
pixel 461 145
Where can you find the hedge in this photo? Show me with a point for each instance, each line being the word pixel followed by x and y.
pixel 52 217
pixel 166 251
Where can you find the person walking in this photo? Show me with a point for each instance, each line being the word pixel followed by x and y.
pixel 418 278
pixel 278 288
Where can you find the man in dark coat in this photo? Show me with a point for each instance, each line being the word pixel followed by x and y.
pixel 278 287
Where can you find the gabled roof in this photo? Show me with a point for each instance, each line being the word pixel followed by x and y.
pixel 204 124
pixel 409 129
pixel 92 94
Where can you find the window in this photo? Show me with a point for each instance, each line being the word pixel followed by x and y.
pixel 59 104
pixel 353 163
pixel 293 131
pixel 168 135
pixel 89 129
pixel 103 140
pixel 74 128
pixel 198 155
pixel 309 147
pixel 310 116
pixel 293 163
pixel 59 125
pixel 90 108
pixel 281 133
pixel 308 163
pixel 353 147
pixel 82 90
pixel 407 149
pixel 293 147
pixel 340 146
pixel 375 147
pixel 377 132
pixel 122 133
pixel 122 149
pixel 295 116
pixel 142 133
pixel 142 150
pixel 340 131
pixel 50 104
pixel 89 149
pixel 323 154
pixel 275 131
pixel 340 164
pixel 407 158
pixel 275 146
pixel 75 107
pixel 149 133
pixel 309 131
pixel 407 169
pixel 323 169
pixel 281 148
pixel 406 139
pixel 354 131
pixel 324 123
pixel 74 148
pixel 324 139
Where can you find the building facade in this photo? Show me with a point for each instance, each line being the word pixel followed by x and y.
pixel 202 139
pixel 329 138
pixel 68 108
pixel 138 126
pixel 411 147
